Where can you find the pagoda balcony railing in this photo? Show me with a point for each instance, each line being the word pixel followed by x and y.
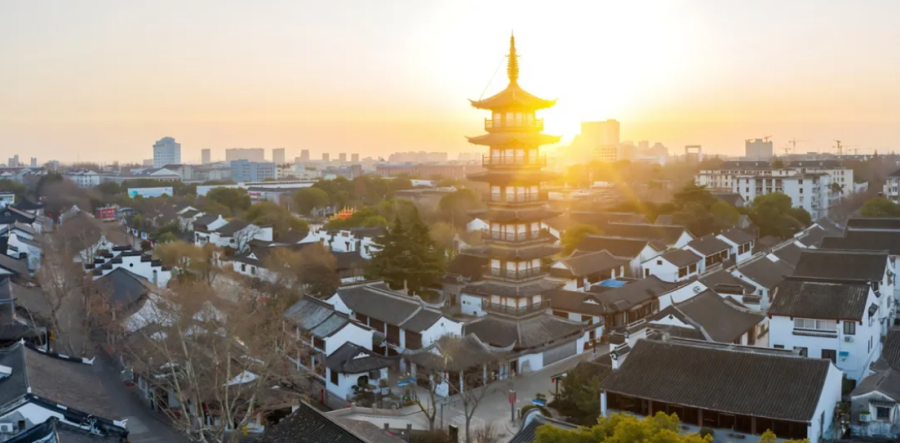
pixel 537 123
pixel 513 236
pixel 506 309
pixel 505 274
pixel 514 160
pixel 528 197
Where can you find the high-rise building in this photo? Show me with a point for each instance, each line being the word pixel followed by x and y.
pixel 246 171
pixel 512 293
pixel 758 149
pixel 166 152
pixel 33 162
pixel 13 161
pixel 342 157
pixel 304 155
pixel 249 154
pixel 354 158
pixel 278 156
pixel 205 156
pixel 326 157
pixel 599 138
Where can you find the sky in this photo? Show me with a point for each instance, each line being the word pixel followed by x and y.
pixel 102 80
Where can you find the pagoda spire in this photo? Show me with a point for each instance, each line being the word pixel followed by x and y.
pixel 512 66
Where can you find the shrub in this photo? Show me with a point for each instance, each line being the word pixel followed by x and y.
pixel 704 431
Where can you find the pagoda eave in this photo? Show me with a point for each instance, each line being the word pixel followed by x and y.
pixel 514 215
pixel 517 177
pixel 508 138
pixel 513 97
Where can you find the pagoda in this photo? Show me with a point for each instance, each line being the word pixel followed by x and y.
pixel 516 247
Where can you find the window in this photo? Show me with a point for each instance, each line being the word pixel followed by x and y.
pixel 830 354
pixel 818 325
pixel 778 346
pixel 882 413
pixel 803 351
pixel 849 328
pixel 334 378
pixel 659 262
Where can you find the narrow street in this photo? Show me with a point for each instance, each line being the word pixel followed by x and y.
pixel 144 425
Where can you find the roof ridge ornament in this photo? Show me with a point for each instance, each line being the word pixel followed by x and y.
pixel 512 66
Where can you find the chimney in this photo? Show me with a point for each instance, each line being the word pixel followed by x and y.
pixel 408 432
pixel 615 360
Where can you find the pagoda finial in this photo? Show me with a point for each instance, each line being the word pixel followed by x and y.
pixel 512 66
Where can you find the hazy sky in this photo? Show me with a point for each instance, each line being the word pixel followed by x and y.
pixel 102 80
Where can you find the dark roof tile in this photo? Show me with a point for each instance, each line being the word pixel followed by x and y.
pixel 731 379
pixel 821 300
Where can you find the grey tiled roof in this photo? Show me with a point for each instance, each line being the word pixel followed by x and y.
pixel 731 379
pixel 718 319
pixel 865 240
pixel 588 263
pixel 453 354
pixel 125 288
pixel 15 386
pixel 375 301
pixel 890 352
pixel 765 272
pixel 885 381
pixel 721 279
pixel 308 425
pixel 708 245
pixel 842 264
pixel 821 300
pixel 69 383
pixel 353 359
pixel 530 332
pixel 738 236
pixel 632 294
pixel 617 246
pixel 667 234
pixel 880 223
pixel 231 227
pixel 681 257
pixel 813 236
pixel 790 253
pixel 513 290
pixel 315 316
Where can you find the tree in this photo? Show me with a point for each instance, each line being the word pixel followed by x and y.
pixel 573 236
pixel 308 199
pixel 444 236
pixel 374 221
pixel 278 217
pixel 223 362
pixel 692 193
pixel 16 188
pixel 801 215
pixel 880 207
pixel 455 207
pixel 406 256
pixel 624 428
pixel 578 390
pixel 773 215
pixel 235 199
pixel 312 269
pixel 697 219
pixel 166 237
pixel 724 215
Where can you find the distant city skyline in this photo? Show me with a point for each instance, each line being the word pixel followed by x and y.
pixel 94 80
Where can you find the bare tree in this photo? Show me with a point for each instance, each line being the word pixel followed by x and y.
pixel 243 237
pixel 218 361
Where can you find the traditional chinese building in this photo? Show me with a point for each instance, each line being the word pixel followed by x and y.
pixel 509 299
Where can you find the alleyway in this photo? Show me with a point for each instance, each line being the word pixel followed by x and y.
pixel 144 425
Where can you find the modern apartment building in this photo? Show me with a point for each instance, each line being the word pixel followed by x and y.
pixel 166 152
pixel 247 171
pixel 249 154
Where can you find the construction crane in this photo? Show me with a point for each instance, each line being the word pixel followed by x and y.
pixel 766 139
pixel 794 145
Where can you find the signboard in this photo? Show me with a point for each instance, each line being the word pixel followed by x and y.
pixel 108 213
pixel 150 192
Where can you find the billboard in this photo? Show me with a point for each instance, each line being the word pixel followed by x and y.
pixel 150 192
pixel 107 213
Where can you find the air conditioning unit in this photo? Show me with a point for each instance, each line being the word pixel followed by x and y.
pixel 6 428
pixel 848 339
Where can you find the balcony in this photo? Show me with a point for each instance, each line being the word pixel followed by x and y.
pixel 506 274
pixel 517 310
pixel 521 238
pixel 527 197
pixel 538 161
pixel 534 124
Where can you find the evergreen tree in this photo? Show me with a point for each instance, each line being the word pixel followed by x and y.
pixel 406 256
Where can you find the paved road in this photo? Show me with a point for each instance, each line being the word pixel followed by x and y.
pixel 143 425
pixel 495 408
